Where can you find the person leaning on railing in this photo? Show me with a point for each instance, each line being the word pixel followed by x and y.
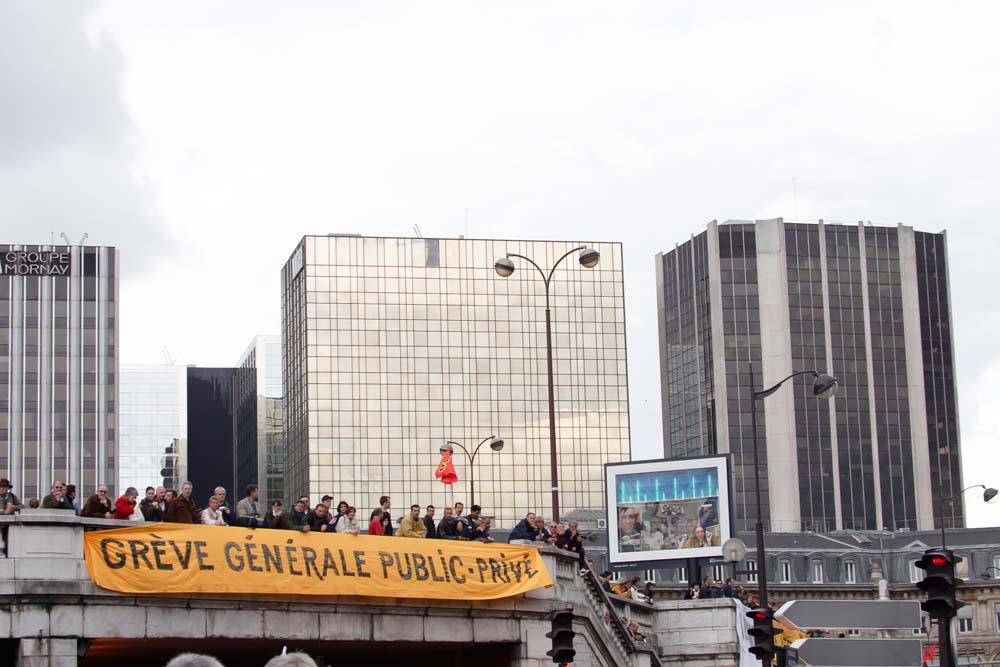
pixel 9 503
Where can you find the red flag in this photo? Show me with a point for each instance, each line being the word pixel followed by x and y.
pixel 445 470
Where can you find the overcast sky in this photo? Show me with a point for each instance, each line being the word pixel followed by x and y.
pixel 205 139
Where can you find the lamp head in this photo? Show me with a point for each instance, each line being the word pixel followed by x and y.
pixel 445 448
pixel 589 258
pixel 496 444
pixel 990 495
pixel 504 267
pixel 824 386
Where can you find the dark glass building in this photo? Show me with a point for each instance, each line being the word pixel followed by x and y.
pixel 867 304
pixel 210 432
pixel 58 367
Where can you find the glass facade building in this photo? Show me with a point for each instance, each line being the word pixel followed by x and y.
pixel 392 346
pixel 260 442
pixel 153 426
pixel 58 367
pixel 869 305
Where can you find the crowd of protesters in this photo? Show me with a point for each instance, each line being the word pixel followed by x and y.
pixel 162 504
pixel 719 589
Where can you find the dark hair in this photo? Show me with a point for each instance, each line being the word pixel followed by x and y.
pixel 431 507
pixel 318 505
pixel 459 502
pixel 381 501
pixel 71 489
pixel 343 502
pixel 326 498
pixel 173 491
pixel 251 488
pixel 475 508
pixel 149 488
pixel 275 502
pixel 635 580
pixel 414 507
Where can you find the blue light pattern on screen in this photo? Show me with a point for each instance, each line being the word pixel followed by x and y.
pixel 667 485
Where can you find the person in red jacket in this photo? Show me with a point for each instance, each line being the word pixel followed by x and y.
pixel 375 527
pixel 125 506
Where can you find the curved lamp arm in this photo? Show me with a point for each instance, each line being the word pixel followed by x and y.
pixel 481 443
pixel 956 495
pixel 547 278
pixel 764 393
pixel 462 447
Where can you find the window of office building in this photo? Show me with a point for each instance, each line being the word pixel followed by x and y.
pixel 850 572
pixel 751 575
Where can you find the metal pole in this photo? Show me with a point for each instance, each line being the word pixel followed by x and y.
pixel 943 545
pixel 472 481
pixel 945 656
pixel 761 556
pixel 552 410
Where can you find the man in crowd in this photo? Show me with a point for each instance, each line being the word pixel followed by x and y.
pixel 182 508
pixel 524 531
pixel 385 502
pixel 57 500
pixel 212 515
pixel 224 506
pixel 276 518
pixel 319 520
pixel 572 541
pixel 459 508
pixel 247 512
pixel 98 506
pixel 9 502
pixel 411 525
pixel 475 513
pixel 71 494
pixel 605 580
pixel 151 506
pixel 446 528
pixel 300 516
pixel 542 534
pixel 429 523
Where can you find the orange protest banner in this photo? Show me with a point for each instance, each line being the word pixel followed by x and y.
pixel 184 558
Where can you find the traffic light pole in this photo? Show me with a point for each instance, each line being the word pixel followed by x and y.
pixel 761 554
pixel 946 658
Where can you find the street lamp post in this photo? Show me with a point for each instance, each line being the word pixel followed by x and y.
pixel 947 648
pixel 824 386
pixel 496 444
pixel 505 268
pixel 989 496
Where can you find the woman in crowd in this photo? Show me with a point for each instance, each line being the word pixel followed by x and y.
pixel 348 523
pixel 125 506
pixel 375 526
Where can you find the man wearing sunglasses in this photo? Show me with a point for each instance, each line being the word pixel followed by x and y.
pixel 57 500
pixel 98 506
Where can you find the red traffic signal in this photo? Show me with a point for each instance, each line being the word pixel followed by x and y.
pixel 763 632
pixel 940 583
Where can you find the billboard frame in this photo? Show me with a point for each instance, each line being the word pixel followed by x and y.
pixel 664 559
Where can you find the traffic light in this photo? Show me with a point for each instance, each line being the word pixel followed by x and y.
pixel 562 637
pixel 940 583
pixel 763 632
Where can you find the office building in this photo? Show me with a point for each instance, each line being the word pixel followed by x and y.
pixel 152 428
pixel 59 373
pixel 393 346
pixel 260 442
pixel 871 306
pixel 211 427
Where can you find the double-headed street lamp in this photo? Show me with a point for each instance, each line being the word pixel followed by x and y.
pixel 496 444
pixel 504 267
pixel 824 386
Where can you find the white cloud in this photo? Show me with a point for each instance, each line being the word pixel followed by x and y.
pixel 638 123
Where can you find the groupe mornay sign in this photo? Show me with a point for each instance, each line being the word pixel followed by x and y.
pixel 35 263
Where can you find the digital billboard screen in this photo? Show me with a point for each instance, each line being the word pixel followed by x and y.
pixel 667 509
